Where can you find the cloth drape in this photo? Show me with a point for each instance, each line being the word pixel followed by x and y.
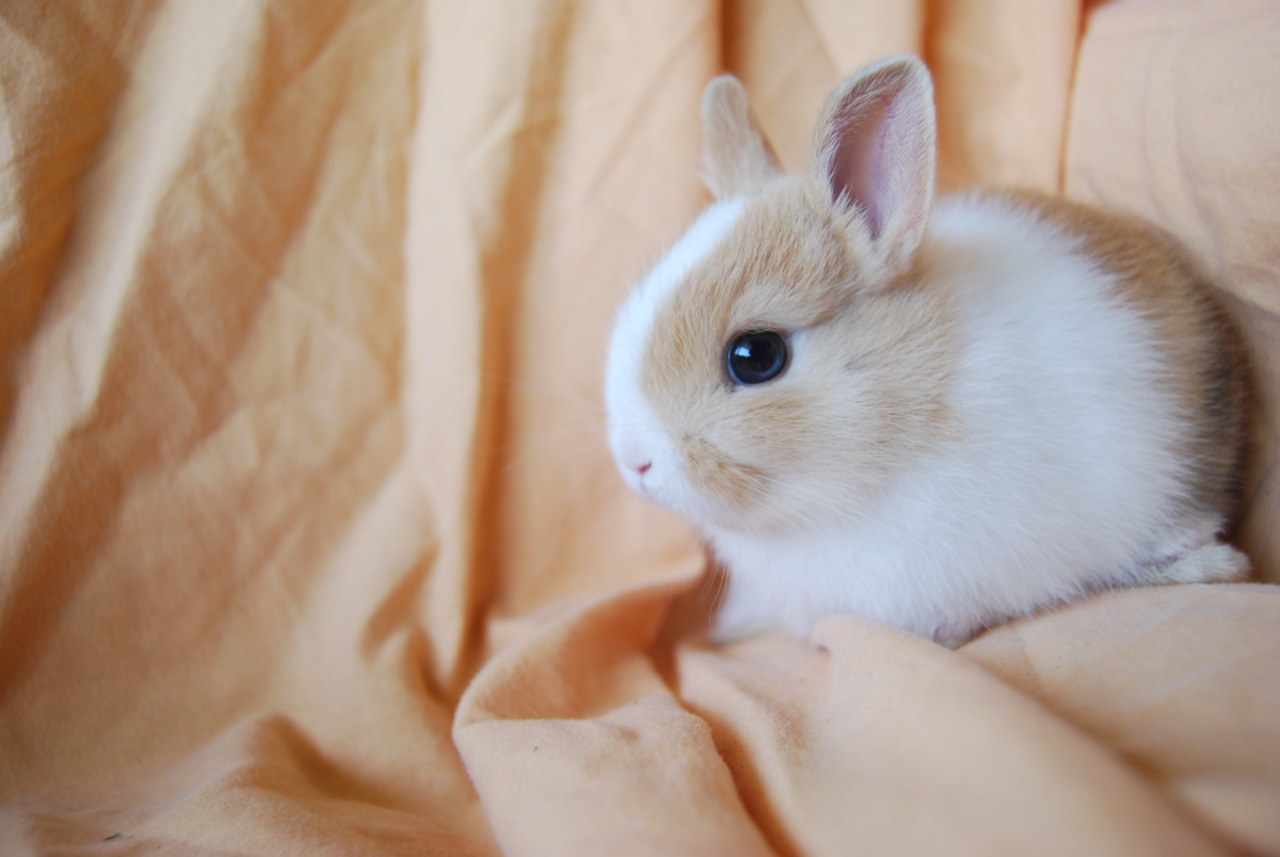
pixel 310 541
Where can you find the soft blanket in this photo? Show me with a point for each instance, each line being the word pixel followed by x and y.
pixel 309 539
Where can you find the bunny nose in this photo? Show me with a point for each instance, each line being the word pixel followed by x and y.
pixel 630 452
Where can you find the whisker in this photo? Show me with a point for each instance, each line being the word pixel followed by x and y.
pixel 558 440
pixel 643 427
pixel 530 387
pixel 808 495
pixel 593 495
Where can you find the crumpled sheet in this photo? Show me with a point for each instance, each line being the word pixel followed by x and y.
pixel 309 538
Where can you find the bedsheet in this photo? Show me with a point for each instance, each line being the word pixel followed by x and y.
pixel 309 538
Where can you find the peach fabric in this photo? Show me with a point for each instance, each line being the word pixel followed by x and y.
pixel 309 538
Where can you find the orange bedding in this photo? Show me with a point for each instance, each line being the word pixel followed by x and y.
pixel 309 538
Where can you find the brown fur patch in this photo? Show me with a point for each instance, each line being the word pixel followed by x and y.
pixel 871 354
pixel 1205 365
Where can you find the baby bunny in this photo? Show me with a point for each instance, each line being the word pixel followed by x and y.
pixel 936 416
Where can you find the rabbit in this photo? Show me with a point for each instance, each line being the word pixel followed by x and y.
pixel 934 416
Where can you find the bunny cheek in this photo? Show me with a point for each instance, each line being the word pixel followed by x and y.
pixel 732 488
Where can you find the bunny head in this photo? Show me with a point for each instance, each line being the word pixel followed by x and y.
pixel 788 355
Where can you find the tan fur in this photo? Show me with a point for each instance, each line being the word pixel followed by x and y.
pixel 792 263
pixel 737 159
pixel 1204 364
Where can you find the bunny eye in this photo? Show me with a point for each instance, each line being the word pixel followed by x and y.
pixel 756 356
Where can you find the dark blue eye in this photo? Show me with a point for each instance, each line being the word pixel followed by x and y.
pixel 756 357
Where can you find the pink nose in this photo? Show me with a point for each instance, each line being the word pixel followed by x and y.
pixel 630 452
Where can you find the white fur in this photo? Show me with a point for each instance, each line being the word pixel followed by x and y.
pixel 635 433
pixel 1060 482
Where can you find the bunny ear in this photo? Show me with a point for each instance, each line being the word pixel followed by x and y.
pixel 875 151
pixel 737 159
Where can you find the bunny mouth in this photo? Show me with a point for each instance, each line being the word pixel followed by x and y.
pixel 641 487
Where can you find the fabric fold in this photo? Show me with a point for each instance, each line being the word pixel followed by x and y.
pixel 310 537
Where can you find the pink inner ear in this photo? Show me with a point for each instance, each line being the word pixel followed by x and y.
pixel 877 154
pixel 861 174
